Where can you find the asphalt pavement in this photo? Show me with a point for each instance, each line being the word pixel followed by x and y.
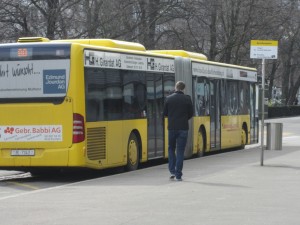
pixel 224 189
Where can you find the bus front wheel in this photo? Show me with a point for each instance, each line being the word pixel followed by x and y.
pixel 132 153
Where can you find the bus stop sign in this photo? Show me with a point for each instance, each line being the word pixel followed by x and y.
pixel 263 49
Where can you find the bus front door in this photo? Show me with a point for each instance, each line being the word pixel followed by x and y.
pixel 215 117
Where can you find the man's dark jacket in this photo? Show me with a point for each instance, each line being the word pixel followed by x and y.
pixel 179 109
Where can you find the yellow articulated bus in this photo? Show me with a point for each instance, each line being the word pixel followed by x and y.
pixel 98 103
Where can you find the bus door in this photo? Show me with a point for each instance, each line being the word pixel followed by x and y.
pixel 253 115
pixel 155 104
pixel 215 116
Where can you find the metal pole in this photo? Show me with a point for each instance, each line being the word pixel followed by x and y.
pixel 262 111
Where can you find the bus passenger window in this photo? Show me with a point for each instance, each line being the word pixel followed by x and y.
pixel 233 97
pixel 244 98
pixel 202 97
pixel 92 110
pixel 103 93
pixel 93 94
pixel 169 84
pixel 224 99
pixel 134 95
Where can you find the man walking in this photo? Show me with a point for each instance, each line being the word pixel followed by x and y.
pixel 179 109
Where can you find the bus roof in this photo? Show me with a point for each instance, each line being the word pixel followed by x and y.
pixel 182 53
pixel 225 65
pixel 32 39
pixel 95 42
pixel 198 57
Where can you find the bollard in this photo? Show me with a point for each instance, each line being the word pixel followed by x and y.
pixel 274 136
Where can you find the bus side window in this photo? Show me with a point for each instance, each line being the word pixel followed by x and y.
pixel 103 93
pixel 224 98
pixel 244 98
pixel 134 95
pixel 202 97
pixel 92 110
pixel 233 97
pixel 206 98
pixel 92 94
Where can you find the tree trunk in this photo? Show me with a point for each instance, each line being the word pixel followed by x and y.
pixel 52 17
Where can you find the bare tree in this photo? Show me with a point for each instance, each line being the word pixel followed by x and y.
pixel 290 51
pixel 220 29
pixel 14 20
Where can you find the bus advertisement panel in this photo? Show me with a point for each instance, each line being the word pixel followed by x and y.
pixel 223 72
pixel 127 62
pixel 26 73
pixel 33 79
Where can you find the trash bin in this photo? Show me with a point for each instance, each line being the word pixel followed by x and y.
pixel 274 136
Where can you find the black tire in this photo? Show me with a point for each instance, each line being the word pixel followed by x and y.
pixel 133 153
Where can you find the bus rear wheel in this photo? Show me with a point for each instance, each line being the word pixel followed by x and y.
pixel 132 153
pixel 200 144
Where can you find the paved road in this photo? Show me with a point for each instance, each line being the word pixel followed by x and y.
pixel 223 189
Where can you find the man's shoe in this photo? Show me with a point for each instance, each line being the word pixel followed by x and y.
pixel 172 177
pixel 178 179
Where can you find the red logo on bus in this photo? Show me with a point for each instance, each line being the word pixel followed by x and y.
pixel 9 130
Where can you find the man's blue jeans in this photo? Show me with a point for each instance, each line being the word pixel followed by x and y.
pixel 177 140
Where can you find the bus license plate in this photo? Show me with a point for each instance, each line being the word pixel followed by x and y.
pixel 22 152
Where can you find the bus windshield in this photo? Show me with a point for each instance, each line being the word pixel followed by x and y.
pixel 34 71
